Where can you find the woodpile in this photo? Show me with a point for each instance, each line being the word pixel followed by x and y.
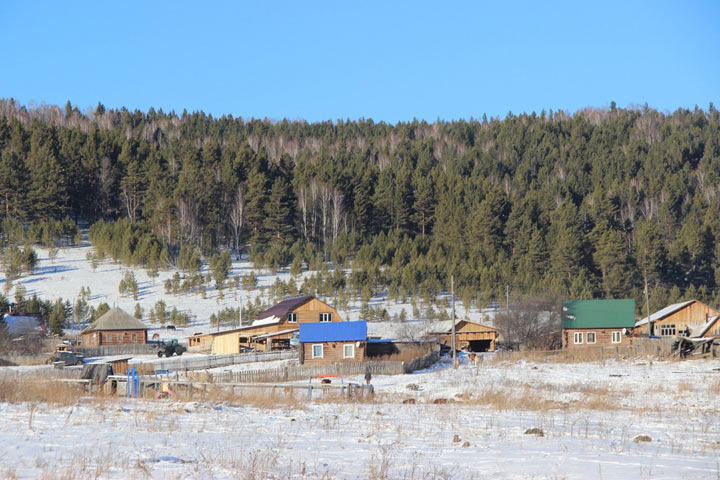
pixel 684 347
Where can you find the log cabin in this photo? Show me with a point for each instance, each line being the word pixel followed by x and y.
pixel 596 323
pixel 115 327
pixel 323 343
pixel 469 336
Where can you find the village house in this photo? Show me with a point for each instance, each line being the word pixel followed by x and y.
pixel 677 319
pixel 271 330
pixel 115 327
pixel 469 336
pixel 596 323
pixel 323 343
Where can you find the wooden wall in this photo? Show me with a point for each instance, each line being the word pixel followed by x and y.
pixel 332 353
pixel 603 337
pixel 114 337
pixel 310 311
pixel 695 315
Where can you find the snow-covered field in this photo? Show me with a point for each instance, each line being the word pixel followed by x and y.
pixel 70 271
pixel 589 413
pixel 464 423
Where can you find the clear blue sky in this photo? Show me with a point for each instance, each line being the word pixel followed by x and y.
pixel 383 60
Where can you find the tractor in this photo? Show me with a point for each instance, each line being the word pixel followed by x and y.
pixel 169 348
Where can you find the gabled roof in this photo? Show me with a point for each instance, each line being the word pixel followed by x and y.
pixel 669 310
pixel 280 310
pixel 115 319
pixel 333 332
pixel 445 326
pixel 598 313
pixel 706 328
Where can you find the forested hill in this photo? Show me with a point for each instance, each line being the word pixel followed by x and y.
pixel 588 205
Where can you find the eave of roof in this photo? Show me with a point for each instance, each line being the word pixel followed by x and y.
pixel 664 312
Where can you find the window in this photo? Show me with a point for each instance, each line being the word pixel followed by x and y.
pixel 349 351
pixel 317 351
pixel 326 317
pixel 292 317
pixel 134 337
pixel 667 330
pixel 577 338
pixel 615 337
pixel 590 337
pixel 109 337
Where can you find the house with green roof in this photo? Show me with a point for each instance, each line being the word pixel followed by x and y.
pixel 596 323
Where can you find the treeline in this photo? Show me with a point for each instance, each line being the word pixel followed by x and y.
pixel 594 204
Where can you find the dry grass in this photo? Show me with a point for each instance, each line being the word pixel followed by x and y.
pixel 271 397
pixel 52 392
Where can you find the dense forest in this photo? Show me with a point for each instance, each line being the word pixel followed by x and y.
pixel 594 204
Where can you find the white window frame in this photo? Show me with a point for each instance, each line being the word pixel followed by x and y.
pixel 594 338
pixel 577 338
pixel 321 350
pixel 324 316
pixel 292 317
pixel 616 337
pixel 352 347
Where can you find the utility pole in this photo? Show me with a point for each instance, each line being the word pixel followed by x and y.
pixel 507 298
pixel 647 308
pixel 452 319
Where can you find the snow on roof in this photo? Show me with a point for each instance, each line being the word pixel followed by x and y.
pixel 266 321
pixel 705 328
pixel 660 314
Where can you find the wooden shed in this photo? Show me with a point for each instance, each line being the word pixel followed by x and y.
pixel 470 336
pixel 678 318
pixel 323 343
pixel 596 323
pixel 115 327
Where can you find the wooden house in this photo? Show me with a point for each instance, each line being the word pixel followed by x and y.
pixel 596 323
pixel 678 318
pixel 115 327
pixel 470 336
pixel 323 343
pixel 271 330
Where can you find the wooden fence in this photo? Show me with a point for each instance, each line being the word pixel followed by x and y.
pixel 204 362
pixel 307 371
pixel 129 349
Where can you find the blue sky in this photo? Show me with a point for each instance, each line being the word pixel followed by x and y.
pixel 389 61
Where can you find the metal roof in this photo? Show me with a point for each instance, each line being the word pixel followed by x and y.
pixel 598 313
pixel 280 310
pixel 660 314
pixel 333 332
pixel 445 326
pixel 116 319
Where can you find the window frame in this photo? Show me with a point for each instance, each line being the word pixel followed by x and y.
pixel 670 328
pixel 352 346
pixel 327 315
pixel 577 336
pixel 292 317
pixel 322 350
pixel 594 338
pixel 616 334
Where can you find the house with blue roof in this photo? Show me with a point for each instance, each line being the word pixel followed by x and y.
pixel 323 343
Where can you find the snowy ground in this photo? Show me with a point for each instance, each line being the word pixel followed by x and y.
pixel 70 271
pixel 589 414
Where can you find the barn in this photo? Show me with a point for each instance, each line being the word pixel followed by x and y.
pixel 678 318
pixel 115 327
pixel 271 330
pixel 469 336
pixel 323 343
pixel 596 323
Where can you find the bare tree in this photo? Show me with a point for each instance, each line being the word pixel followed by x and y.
pixel 531 322
pixel 337 212
pixel 314 194
pixel 325 199
pixel 188 218
pixel 303 202
pixel 236 218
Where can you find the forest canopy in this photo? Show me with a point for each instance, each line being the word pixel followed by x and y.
pixel 594 204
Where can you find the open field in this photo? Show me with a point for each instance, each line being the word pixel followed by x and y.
pixel 589 413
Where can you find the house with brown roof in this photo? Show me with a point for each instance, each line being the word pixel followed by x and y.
pixel 271 330
pixel 115 327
